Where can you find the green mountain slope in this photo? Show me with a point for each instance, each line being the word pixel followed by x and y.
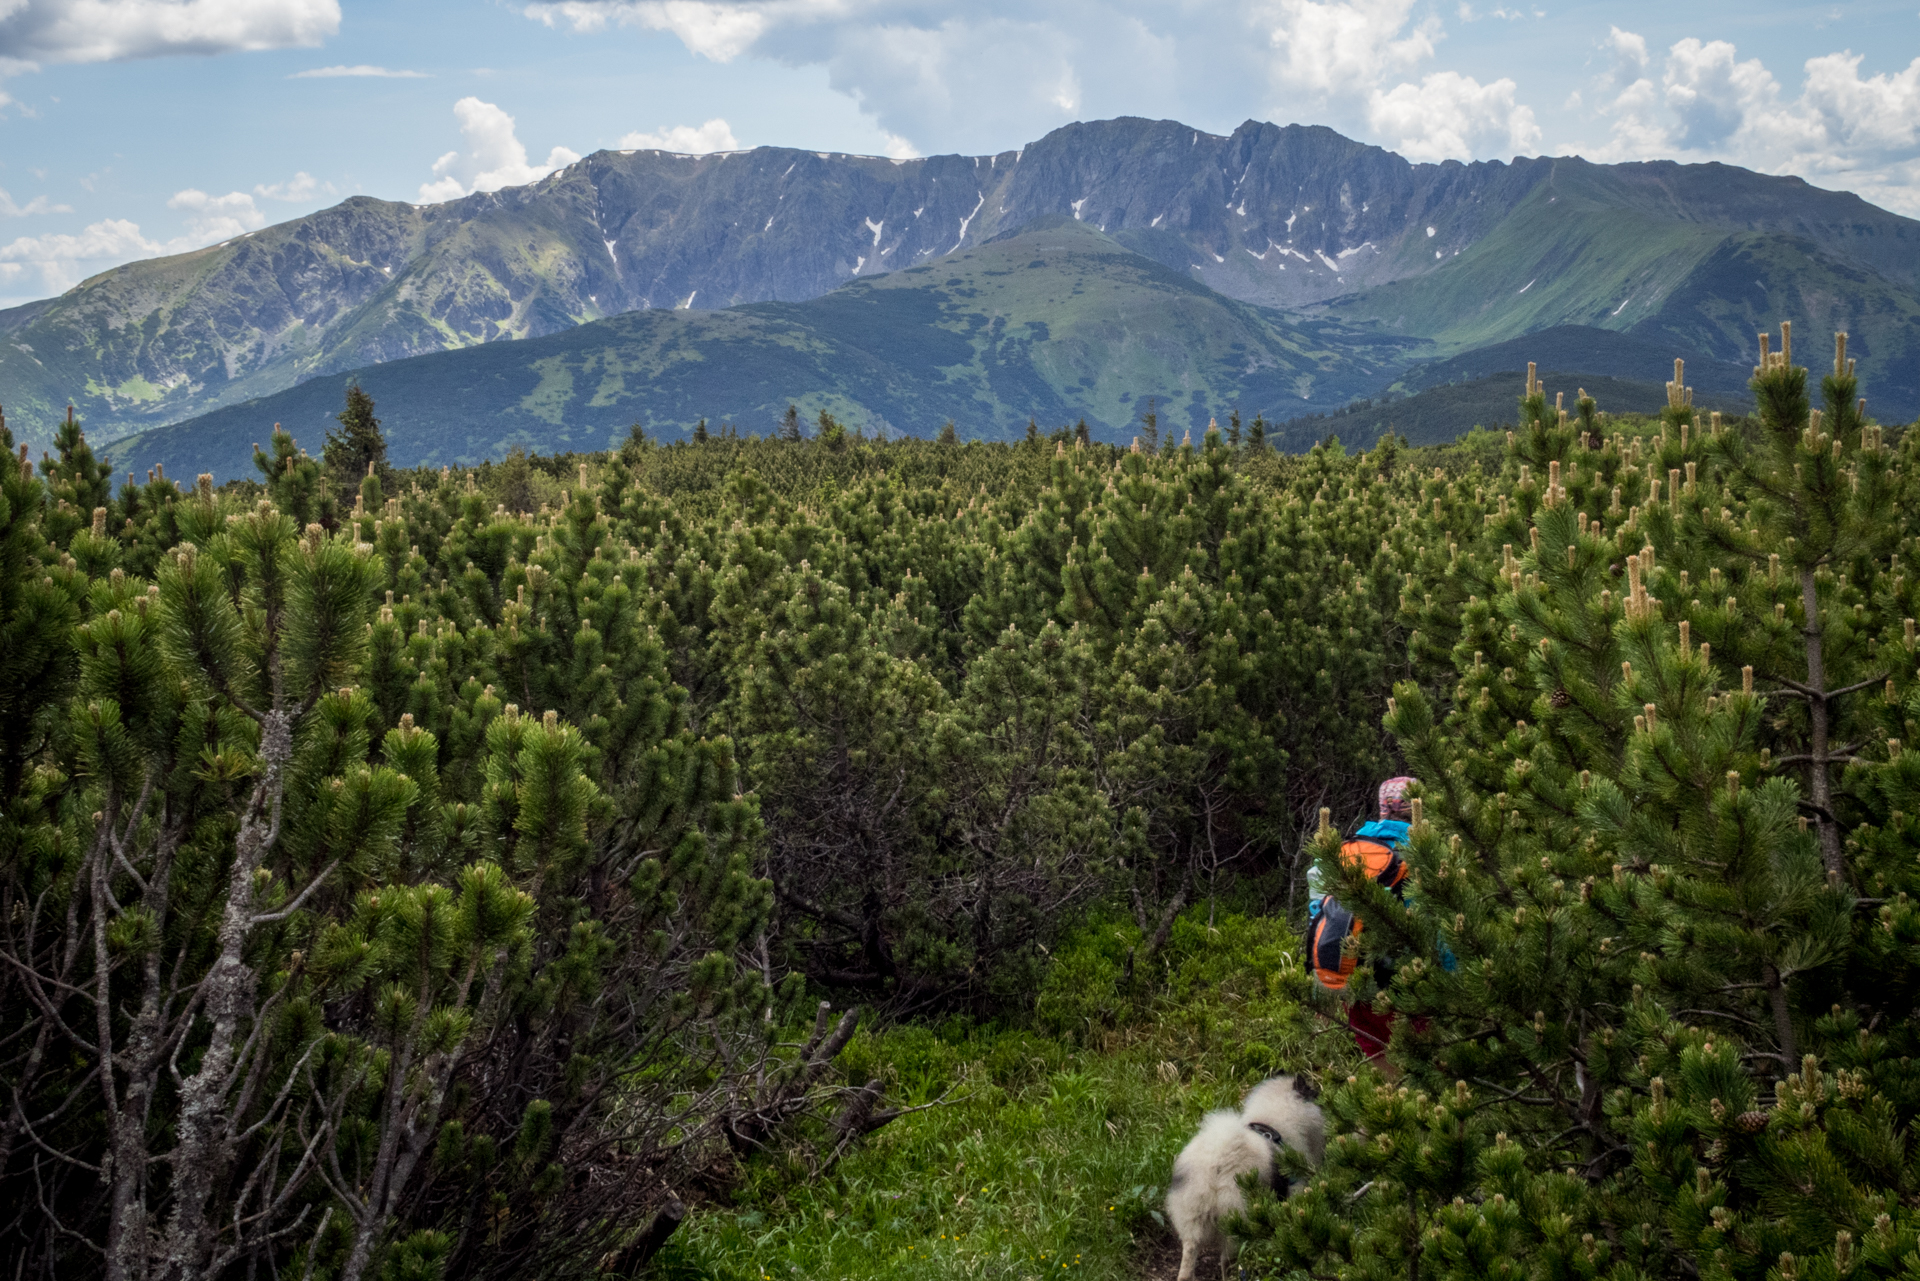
pixel 1435 401
pixel 155 340
pixel 1588 248
pixel 1440 414
pixel 1594 353
pixel 1056 322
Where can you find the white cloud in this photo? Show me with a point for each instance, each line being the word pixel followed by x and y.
pixel 1334 47
pixel 1629 50
pixel 1639 131
pixel 975 76
pixel 302 186
pixel 1067 95
pixel 692 140
pixel 363 69
pixel 215 218
pixel 979 79
pixel 61 260
pixel 1841 130
pixel 713 29
pixel 1711 93
pixel 37 31
pixel 495 156
pixel 38 205
pixel 1877 115
pixel 1448 116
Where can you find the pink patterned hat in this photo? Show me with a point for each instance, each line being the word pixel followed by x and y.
pixel 1394 802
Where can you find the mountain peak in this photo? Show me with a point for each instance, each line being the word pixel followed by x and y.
pixel 1280 215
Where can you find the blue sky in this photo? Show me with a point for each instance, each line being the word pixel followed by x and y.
pixel 130 128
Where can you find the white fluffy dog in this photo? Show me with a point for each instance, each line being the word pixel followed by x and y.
pixel 1205 1187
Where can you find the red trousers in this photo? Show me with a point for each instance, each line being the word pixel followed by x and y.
pixel 1371 1029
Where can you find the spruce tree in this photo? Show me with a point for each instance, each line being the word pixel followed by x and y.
pixel 636 444
pixel 298 484
pixel 39 604
pixel 832 433
pixel 78 483
pixel 359 448
pixel 515 481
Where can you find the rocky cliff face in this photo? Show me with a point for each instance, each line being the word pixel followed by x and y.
pixel 1282 216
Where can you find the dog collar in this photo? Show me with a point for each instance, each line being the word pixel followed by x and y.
pixel 1267 1132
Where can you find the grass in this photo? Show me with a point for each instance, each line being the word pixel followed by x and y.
pixel 1052 1155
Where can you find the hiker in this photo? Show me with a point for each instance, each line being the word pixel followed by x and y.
pixel 1376 846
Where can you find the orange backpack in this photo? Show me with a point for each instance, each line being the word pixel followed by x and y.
pixel 1332 961
pixel 1382 862
pixel 1333 924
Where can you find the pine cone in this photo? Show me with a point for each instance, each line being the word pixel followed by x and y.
pixel 1559 698
pixel 1751 1122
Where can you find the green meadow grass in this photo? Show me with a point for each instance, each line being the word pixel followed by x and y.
pixel 1052 1154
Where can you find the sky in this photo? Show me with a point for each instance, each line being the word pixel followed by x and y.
pixel 135 128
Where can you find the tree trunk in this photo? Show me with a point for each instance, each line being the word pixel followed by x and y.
pixel 127 1158
pixel 855 1118
pixel 200 1157
pixel 410 1118
pixel 648 1243
pixel 1782 1018
pixel 373 1219
pixel 1146 952
pixel 1819 782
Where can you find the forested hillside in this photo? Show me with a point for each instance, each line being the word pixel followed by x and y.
pixel 431 873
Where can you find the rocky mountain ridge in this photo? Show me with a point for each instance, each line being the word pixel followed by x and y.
pixel 1057 322
pixel 1283 216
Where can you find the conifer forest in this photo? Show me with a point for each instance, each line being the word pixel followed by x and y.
pixel 823 856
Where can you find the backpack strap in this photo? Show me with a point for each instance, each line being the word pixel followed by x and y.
pixel 1336 922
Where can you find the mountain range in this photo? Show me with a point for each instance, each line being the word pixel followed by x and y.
pixel 1349 264
pixel 1055 322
